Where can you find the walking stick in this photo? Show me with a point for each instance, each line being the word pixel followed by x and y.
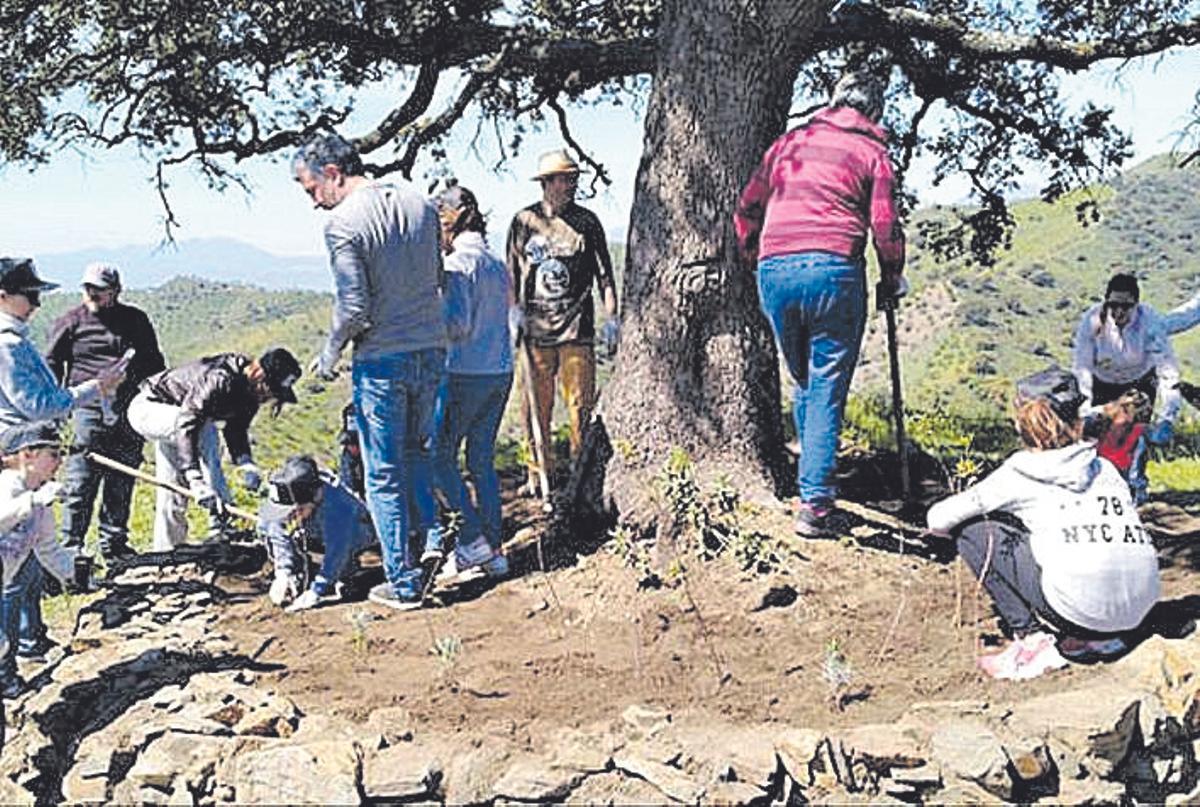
pixel 887 303
pixel 107 462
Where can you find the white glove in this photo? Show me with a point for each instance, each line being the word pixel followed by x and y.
pixel 323 368
pixel 305 601
pixel 516 322
pixel 251 475
pixel 284 588
pixel 47 494
pixel 204 494
pixel 610 331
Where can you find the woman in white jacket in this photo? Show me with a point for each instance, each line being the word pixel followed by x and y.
pixel 1054 538
pixel 1122 344
pixel 479 374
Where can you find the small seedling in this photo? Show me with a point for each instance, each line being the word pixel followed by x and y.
pixel 447 650
pixel 838 674
pixel 359 620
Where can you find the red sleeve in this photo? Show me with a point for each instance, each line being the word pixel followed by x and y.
pixel 752 204
pixel 886 229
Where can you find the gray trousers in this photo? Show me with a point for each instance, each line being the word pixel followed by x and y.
pixel 1001 552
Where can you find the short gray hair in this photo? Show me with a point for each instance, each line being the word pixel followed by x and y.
pixel 862 91
pixel 328 149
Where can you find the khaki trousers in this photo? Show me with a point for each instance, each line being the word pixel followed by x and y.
pixel 574 365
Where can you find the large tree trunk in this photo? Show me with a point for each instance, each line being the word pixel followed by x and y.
pixel 697 368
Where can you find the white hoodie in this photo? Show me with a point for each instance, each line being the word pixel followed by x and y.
pixel 1099 567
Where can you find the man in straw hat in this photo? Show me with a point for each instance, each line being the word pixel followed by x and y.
pixel 556 250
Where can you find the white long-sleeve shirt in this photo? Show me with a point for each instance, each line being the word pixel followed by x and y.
pixel 27 528
pixel 1099 566
pixel 1183 317
pixel 1123 355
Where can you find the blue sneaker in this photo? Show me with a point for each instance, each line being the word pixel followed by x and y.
pixel 385 594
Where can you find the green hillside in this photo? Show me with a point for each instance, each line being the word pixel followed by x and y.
pixel 968 330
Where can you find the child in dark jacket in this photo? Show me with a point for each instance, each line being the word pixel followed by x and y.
pixel 306 508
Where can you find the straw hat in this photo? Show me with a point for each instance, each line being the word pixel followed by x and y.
pixel 555 162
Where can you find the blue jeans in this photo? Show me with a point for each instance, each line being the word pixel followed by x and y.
pixel 394 400
pixel 84 478
pixel 21 613
pixel 472 406
pixel 817 305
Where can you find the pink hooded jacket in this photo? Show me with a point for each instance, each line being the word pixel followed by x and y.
pixel 819 188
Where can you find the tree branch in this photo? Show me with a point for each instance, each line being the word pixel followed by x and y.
pixel 886 26
pixel 600 172
pixel 430 130
pixel 418 101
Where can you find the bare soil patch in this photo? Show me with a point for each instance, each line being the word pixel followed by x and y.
pixel 571 647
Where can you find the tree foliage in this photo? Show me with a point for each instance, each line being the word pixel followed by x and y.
pixel 219 81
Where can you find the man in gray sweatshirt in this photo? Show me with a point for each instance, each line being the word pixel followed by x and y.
pixel 384 251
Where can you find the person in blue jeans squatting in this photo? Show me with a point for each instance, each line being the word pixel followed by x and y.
pixel 307 508
pixel 385 253
pixel 804 216
pixel 31 455
pixel 480 375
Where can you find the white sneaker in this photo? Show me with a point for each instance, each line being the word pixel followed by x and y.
pixel 283 589
pixel 449 570
pixel 311 599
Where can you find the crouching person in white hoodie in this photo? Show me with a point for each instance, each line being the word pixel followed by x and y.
pixel 1054 538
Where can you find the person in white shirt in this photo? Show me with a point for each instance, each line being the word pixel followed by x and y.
pixel 1054 537
pixel 31 456
pixel 1122 344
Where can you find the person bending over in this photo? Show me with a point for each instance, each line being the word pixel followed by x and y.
pixel 179 408
pixel 307 508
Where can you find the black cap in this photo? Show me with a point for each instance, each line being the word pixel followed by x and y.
pixel 18 275
pixel 297 482
pixel 36 434
pixel 1057 387
pixel 281 370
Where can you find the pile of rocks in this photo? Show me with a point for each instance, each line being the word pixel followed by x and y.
pixel 151 704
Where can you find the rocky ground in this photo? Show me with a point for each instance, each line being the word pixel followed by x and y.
pixel 846 676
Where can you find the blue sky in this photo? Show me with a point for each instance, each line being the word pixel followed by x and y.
pixel 106 199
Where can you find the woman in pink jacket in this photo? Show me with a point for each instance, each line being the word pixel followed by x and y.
pixel 804 216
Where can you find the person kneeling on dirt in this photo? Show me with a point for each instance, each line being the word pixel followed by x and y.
pixel 307 507
pixel 31 456
pixel 179 408
pixel 1054 538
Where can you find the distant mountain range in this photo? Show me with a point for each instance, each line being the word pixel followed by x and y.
pixel 215 259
